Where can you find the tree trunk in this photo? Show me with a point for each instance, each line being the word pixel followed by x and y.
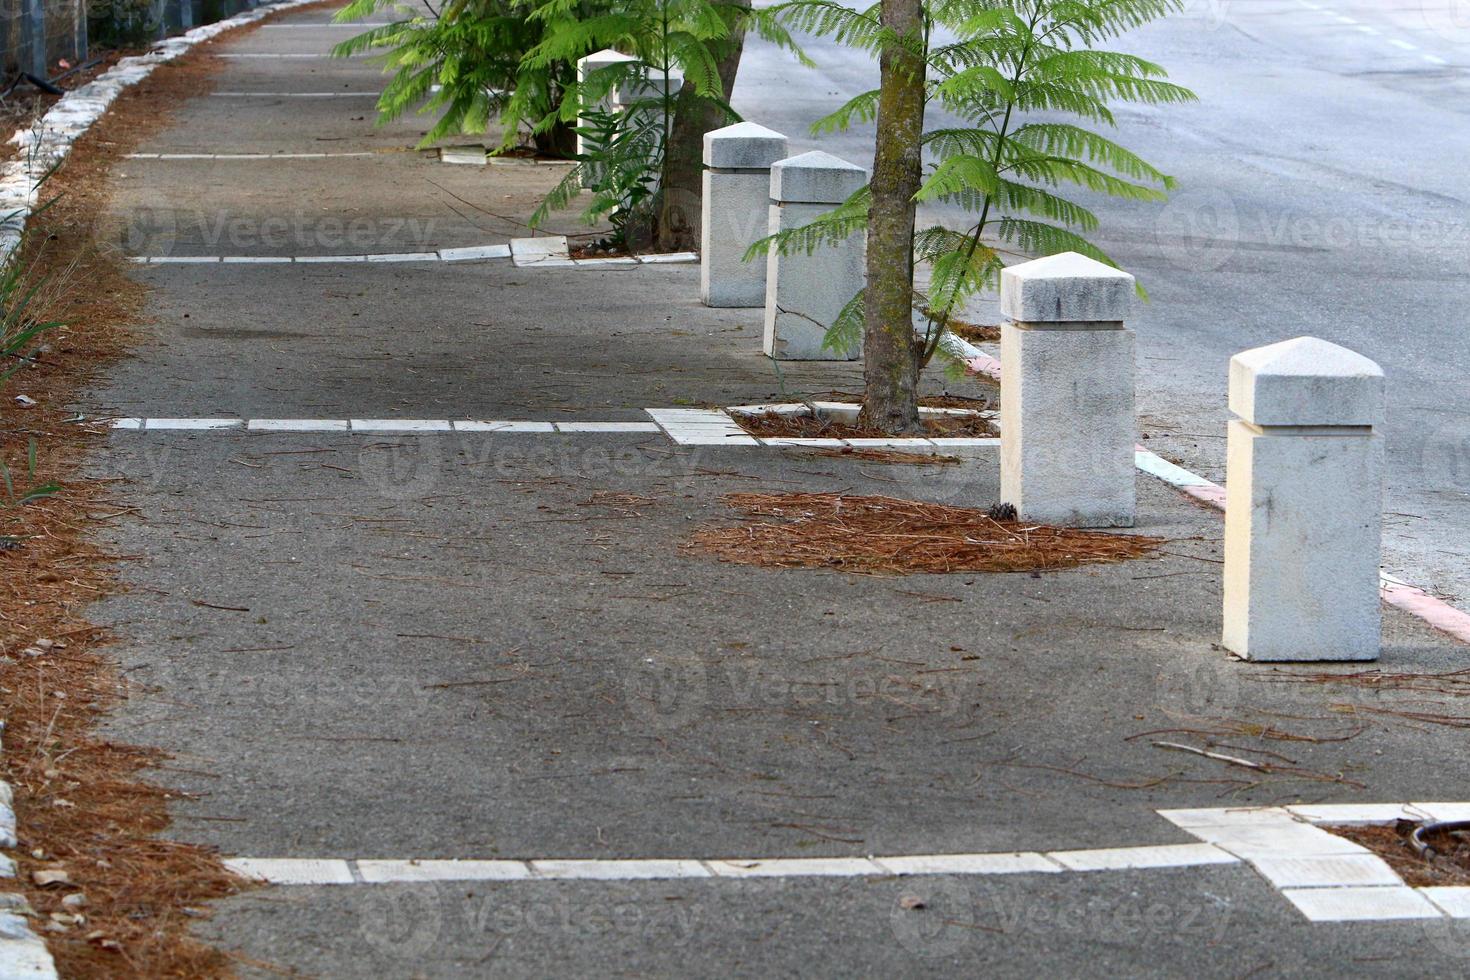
pixel 682 181
pixel 890 354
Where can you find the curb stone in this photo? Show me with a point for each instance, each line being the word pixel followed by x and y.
pixel 23 954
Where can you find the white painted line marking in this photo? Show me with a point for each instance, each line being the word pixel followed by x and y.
pixel 127 424
pixel 1405 45
pixel 476 426
pixel 1019 862
pixel 474 252
pixel 293 871
pixel 297 425
pixel 380 872
pixel 320 259
pixel 155 425
pixel 796 868
pixel 613 870
pixel 179 259
pixel 1131 858
pixel 1454 900
pixel 1334 871
pixel 255 259
pixel 607 427
pixel 1361 904
pixel 400 425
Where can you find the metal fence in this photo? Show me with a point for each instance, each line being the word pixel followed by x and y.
pixel 40 34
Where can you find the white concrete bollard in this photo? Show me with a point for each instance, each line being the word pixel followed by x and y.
pixel 804 293
pixel 1303 503
pixel 650 86
pixel 587 65
pixel 734 212
pixel 1066 399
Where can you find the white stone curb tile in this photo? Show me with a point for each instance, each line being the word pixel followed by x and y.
pixel 1358 814
pixel 796 868
pixel 1335 871
pixel 376 872
pixel 798 441
pixel 1361 904
pixel 607 427
pixel 22 953
pixel 1454 900
pixel 1299 840
pixel 400 425
pixel 1132 858
pixel 154 425
pixel 293 871
pixel 620 870
pixel 474 426
pixel 1020 862
pixel 474 253
pixel 297 425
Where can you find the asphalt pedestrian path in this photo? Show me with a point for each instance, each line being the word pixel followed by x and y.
pixel 490 646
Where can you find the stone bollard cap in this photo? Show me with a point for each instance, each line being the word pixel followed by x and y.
pixel 603 58
pixel 815 178
pixel 743 146
pixel 1066 287
pixel 1306 381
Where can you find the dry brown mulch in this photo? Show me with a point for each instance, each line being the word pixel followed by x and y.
pixel 789 425
pixel 975 333
pixel 1391 842
pixel 886 535
pixel 81 802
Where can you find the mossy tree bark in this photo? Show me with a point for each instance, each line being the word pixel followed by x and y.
pixel 681 183
pixel 891 357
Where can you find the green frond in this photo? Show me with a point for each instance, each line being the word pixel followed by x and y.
pixel 832 228
pixel 845 335
pixel 863 108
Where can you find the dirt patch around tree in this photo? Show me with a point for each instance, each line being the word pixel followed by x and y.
pixel 887 535
pixel 1449 865
pixel 794 425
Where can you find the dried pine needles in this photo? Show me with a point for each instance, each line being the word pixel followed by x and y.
pixel 886 535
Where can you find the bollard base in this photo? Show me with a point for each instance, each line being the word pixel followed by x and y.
pixel 1067 426
pixel 1302 543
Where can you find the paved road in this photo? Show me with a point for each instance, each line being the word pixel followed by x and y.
pixel 1323 191
pixel 493 646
